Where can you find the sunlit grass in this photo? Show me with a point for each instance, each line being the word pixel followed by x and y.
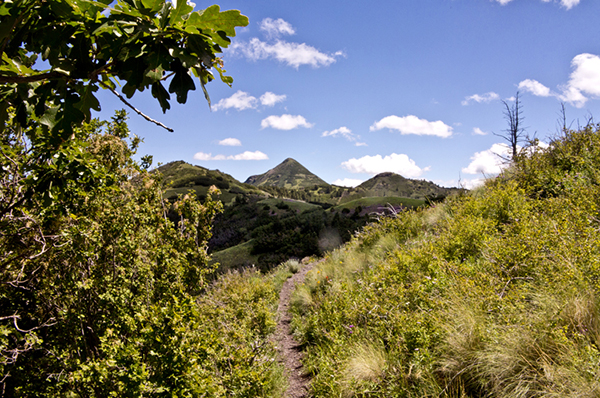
pixel 495 293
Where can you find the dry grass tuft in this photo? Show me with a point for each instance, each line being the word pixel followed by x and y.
pixel 367 363
pixel 302 299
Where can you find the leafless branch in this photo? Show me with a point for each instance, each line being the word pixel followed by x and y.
pixel 31 78
pixel 515 131
pixel 148 118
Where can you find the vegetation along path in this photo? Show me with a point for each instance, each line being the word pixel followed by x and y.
pixel 289 350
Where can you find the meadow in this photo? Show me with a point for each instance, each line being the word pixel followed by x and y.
pixel 492 293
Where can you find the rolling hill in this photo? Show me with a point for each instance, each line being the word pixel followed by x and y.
pixel 289 211
pixel 394 185
pixel 180 177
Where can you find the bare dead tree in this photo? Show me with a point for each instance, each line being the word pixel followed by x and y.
pixel 562 121
pixel 515 133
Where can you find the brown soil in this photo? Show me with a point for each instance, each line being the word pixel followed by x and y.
pixel 290 354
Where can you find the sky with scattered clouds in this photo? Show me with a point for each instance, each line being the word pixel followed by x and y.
pixel 353 89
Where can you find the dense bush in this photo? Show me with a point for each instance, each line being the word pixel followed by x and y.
pixel 495 293
pixel 102 295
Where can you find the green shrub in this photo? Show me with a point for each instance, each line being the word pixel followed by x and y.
pixel 493 293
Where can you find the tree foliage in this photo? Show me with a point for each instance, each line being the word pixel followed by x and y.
pixel 85 45
pixel 97 285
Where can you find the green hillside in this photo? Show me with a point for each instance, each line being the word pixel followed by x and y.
pixel 381 204
pixel 391 184
pixel 179 177
pixel 289 174
pixel 293 213
pixel 492 293
pixel 292 180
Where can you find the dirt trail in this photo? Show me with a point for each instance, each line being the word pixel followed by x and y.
pixel 289 351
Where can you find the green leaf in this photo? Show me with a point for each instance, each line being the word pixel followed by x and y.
pixel 153 5
pixel 161 94
pixel 155 74
pixel 186 59
pixel 49 117
pixel 181 84
pixel 183 8
pixel 4 10
pixel 213 19
pixel 205 93
pixel 88 101
pixel 225 79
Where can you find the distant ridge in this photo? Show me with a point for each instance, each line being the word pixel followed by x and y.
pixel 391 184
pixel 288 174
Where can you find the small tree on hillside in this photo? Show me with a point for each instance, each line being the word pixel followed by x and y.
pixel 515 132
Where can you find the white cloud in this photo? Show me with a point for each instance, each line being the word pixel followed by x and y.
pixel 276 27
pixel 573 97
pixel 413 125
pixel 472 183
pixel 478 131
pixel 208 156
pixel 396 163
pixel 270 99
pixel 230 142
pixel 342 131
pixel 247 155
pixel 347 182
pixel 583 84
pixel 285 122
pixel 568 4
pixel 240 101
pixel 585 79
pixel 292 54
pixel 346 133
pixel 490 161
pixel 534 87
pixel 487 97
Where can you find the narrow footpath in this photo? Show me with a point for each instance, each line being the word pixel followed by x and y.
pixel 290 354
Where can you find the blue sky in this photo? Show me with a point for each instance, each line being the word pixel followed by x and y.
pixel 354 88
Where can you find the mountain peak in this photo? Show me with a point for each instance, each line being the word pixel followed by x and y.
pixel 288 174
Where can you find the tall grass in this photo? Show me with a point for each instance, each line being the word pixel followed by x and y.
pixel 495 293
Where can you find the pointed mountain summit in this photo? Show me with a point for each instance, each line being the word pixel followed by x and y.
pixel 289 174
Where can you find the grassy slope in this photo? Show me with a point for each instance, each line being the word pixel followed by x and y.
pixel 390 184
pixel 377 204
pixel 295 205
pixel 495 293
pixel 235 257
pixel 180 178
